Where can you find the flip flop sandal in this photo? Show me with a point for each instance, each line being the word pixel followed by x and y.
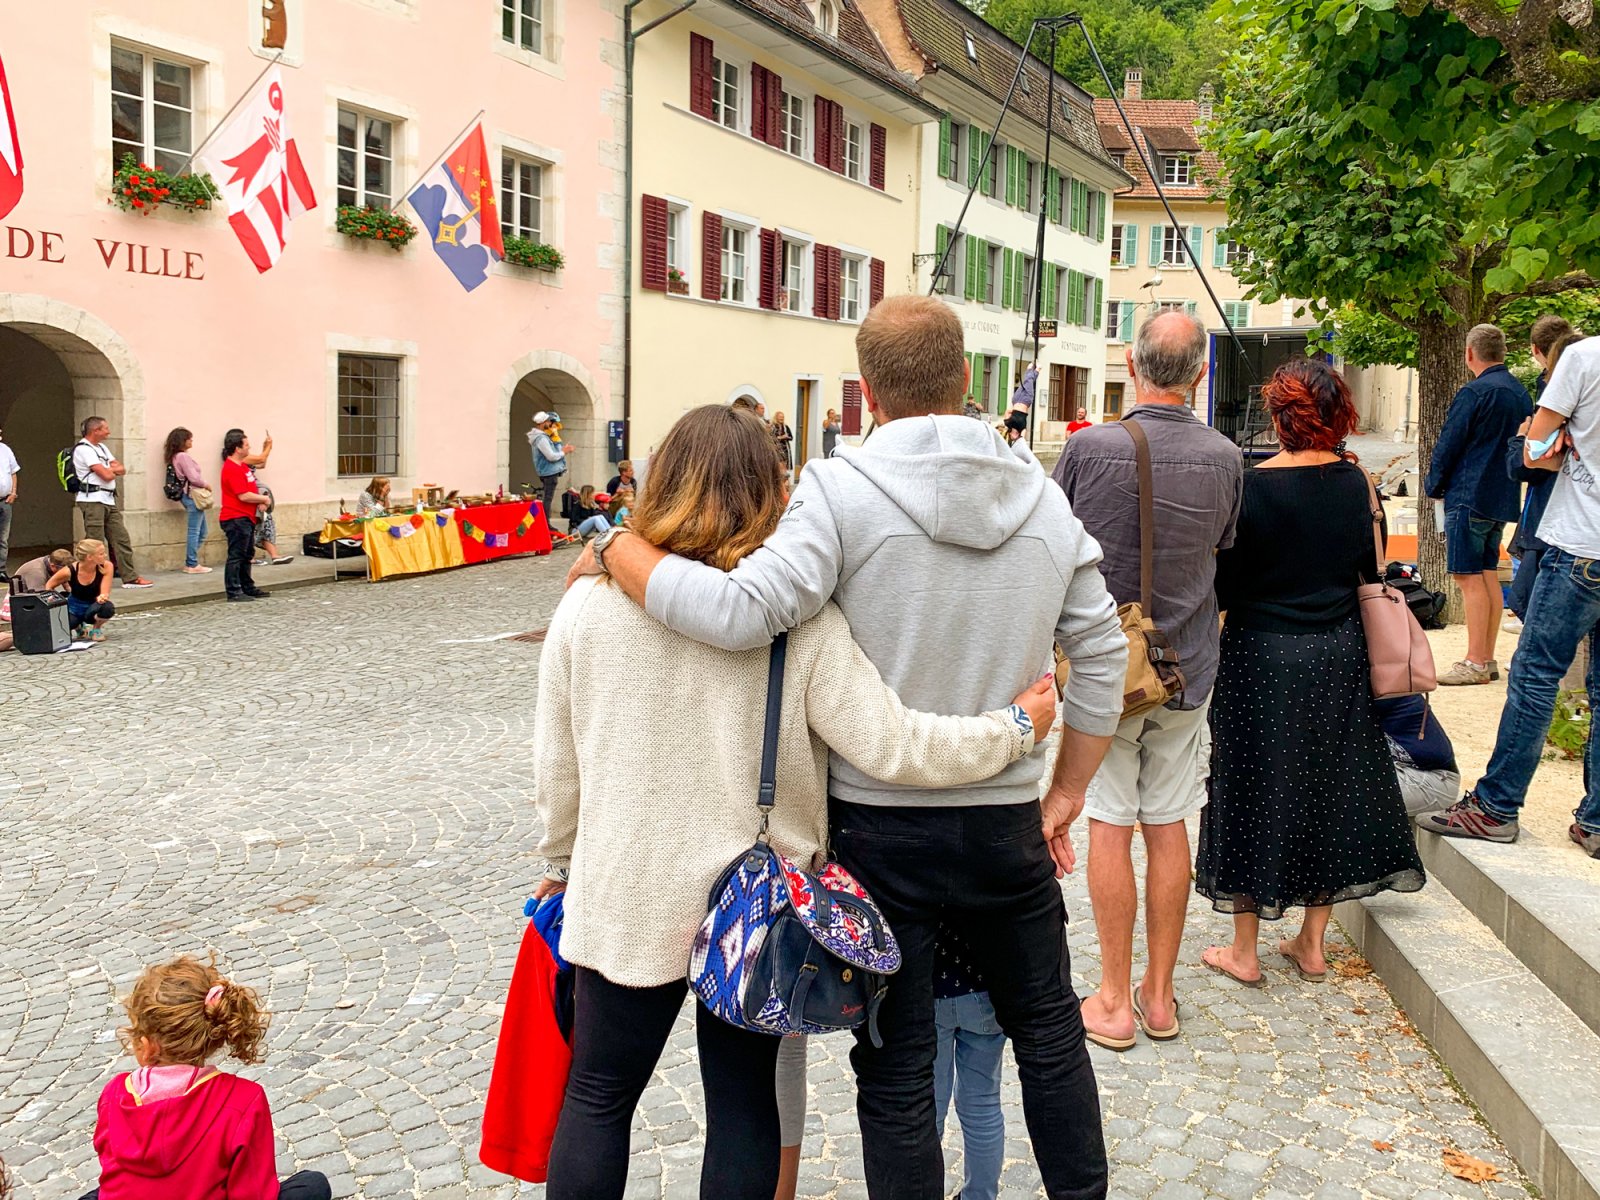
pixel 1155 1035
pixel 1307 976
pixel 1111 1043
pixel 1259 981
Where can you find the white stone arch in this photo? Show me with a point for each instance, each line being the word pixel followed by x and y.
pixel 575 395
pixel 746 389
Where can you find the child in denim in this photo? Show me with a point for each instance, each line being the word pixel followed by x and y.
pixel 970 1049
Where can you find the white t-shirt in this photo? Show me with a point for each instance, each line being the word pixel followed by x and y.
pixel 8 470
pixel 1572 521
pixel 105 490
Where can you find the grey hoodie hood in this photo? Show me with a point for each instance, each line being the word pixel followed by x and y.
pixel 952 475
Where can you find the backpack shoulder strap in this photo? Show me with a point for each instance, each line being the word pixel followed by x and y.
pixel 767 797
pixel 1147 519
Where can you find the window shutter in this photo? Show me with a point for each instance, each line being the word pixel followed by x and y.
pixel 1083 208
pixel 1005 382
pixel 974 152
pixel 653 244
pixel 1009 283
pixel 1130 245
pixel 1219 251
pixel 771 267
pixel 701 52
pixel 758 102
pixel 880 137
pixel 941 246
pixel 945 155
pixel 710 257
pixel 835 282
pixel 983 272
pixel 972 375
pixel 822 134
pixel 1100 229
pixel 774 109
pixel 1052 190
pixel 1196 240
pixel 850 418
pixel 1075 297
pixel 1125 321
pixel 969 277
pixel 819 281
pixel 836 137
pixel 877 282
pixel 1049 293
pixel 1097 305
pixel 1155 245
pixel 988 169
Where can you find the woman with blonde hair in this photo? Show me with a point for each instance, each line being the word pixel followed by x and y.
pixel 642 818
pixel 374 502
pixel 88 582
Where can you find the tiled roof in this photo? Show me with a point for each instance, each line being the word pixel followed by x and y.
pixel 1164 125
pixel 940 29
pixel 855 43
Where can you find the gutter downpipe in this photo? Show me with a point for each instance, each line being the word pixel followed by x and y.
pixel 629 37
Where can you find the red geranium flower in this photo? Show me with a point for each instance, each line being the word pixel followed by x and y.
pixel 138 203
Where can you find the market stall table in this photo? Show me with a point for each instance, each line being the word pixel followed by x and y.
pixel 416 543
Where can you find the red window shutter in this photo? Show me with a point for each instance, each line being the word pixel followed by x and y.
pixel 834 282
pixel 836 144
pixel 819 287
pixel 774 136
pixel 822 134
pixel 850 418
pixel 758 101
pixel 653 244
pixel 700 54
pixel 710 257
pixel 879 152
pixel 771 267
pixel 877 282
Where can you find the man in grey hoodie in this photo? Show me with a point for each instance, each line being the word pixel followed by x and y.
pixel 958 564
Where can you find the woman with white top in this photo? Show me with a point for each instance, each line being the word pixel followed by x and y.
pixel 642 815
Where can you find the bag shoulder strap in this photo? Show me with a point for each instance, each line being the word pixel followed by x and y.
pixel 1147 516
pixel 1377 523
pixel 767 797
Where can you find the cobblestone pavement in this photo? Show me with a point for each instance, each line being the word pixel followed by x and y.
pixel 330 789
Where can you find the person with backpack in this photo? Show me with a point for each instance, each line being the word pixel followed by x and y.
pixel 92 473
pixel 183 480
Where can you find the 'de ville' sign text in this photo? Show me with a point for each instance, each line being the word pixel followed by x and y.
pixel 133 258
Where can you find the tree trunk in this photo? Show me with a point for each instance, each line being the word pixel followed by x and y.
pixel 1441 370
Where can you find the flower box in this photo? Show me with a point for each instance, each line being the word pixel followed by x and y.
pixel 139 187
pixel 370 223
pixel 525 252
pixel 677 283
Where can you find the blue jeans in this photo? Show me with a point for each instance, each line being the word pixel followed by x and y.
pixel 967 1060
pixel 1471 542
pixel 197 532
pixel 593 525
pixel 1564 609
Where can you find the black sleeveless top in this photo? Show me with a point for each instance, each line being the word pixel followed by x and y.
pixel 87 593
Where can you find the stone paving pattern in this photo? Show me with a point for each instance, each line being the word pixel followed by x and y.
pixel 330 789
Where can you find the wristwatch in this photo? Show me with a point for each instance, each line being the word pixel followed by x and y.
pixel 600 543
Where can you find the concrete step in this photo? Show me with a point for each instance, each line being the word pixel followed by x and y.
pixel 1524 1057
pixel 1542 900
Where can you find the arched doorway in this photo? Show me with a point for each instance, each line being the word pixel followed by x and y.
pixel 553 382
pixel 61 365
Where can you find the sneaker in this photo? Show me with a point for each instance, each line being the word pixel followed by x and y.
pixel 241 596
pixel 1512 623
pixel 258 562
pixel 96 635
pixel 283 560
pixel 258 594
pixel 141 582
pixel 197 570
pixel 1589 843
pixel 1493 668
pixel 1466 818
pixel 1464 673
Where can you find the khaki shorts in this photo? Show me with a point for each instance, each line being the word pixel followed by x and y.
pixel 1156 770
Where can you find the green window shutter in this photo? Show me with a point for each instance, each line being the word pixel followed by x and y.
pixel 988 171
pixel 1196 240
pixel 1155 245
pixel 1100 224
pixel 969 283
pixel 1080 293
pixel 974 138
pixel 941 245
pixel 1050 293
pixel 944 147
pixel 983 272
pixel 1014 177
pixel 972 381
pixel 1130 244
pixel 1219 251
pixel 1097 305
pixel 1003 392
pixel 1125 321
pixel 1083 207
pixel 1009 283
pixel 1191 307
pixel 1052 194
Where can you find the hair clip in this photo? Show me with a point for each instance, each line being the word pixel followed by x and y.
pixel 214 996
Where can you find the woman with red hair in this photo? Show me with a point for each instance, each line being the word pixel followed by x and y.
pixel 1305 808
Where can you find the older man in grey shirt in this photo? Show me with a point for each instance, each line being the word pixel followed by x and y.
pixel 1155 771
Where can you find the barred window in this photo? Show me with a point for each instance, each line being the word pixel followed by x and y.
pixel 369 415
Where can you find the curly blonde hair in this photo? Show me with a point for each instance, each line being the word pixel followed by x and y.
pixel 169 1017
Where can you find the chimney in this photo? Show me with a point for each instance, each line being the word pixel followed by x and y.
pixel 1208 96
pixel 1132 84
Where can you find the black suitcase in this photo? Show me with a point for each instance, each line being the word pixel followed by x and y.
pixel 39 621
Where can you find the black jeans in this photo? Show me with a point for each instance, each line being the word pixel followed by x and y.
pixel 303 1185
pixel 549 483
pixel 241 535
pixel 618 1033
pixel 986 871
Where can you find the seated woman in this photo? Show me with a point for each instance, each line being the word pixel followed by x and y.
pixel 643 816
pixel 88 582
pixel 615 512
pixel 583 506
pixel 374 502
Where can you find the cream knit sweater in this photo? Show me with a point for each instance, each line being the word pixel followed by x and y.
pixel 648 756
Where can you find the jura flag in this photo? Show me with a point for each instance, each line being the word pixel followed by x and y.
pixel 456 203
pixel 10 150
pixel 255 164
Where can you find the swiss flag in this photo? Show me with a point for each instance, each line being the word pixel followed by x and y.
pixel 256 166
pixel 10 151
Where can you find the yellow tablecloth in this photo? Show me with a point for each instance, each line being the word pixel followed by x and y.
pixel 341 529
pixel 423 545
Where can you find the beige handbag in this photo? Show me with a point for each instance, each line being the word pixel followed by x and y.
pixel 1398 654
pixel 1154 677
pixel 202 497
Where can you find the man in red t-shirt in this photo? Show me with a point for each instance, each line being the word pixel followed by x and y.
pixel 1082 422
pixel 242 501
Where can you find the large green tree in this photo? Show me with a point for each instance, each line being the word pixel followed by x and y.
pixel 1369 151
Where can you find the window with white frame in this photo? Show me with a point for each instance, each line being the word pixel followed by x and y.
pixel 1177 168
pixel 1025 284
pixel 1233 254
pixel 828 17
pixel 795 256
pixel 522 24
pixel 1031 183
pixel 794 124
pixel 992 276
pixel 677 236
pixel 366 158
pixel 852 271
pixel 152 108
pixel 725 93
pixel 1174 250
pixel 521 197
pixel 1119 246
pixel 369 415
pixel 1113 320
pixel 735 264
pixel 852 151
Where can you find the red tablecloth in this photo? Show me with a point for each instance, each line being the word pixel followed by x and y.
pixel 491 531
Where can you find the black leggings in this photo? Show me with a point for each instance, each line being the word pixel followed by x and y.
pixel 618 1034
pixel 304 1185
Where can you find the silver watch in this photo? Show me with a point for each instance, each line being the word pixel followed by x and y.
pixel 602 541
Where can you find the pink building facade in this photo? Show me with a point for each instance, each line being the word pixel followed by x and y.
pixel 360 359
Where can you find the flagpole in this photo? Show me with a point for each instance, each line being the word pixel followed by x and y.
pixel 444 154
pixel 243 96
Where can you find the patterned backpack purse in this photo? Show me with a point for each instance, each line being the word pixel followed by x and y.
pixel 782 950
